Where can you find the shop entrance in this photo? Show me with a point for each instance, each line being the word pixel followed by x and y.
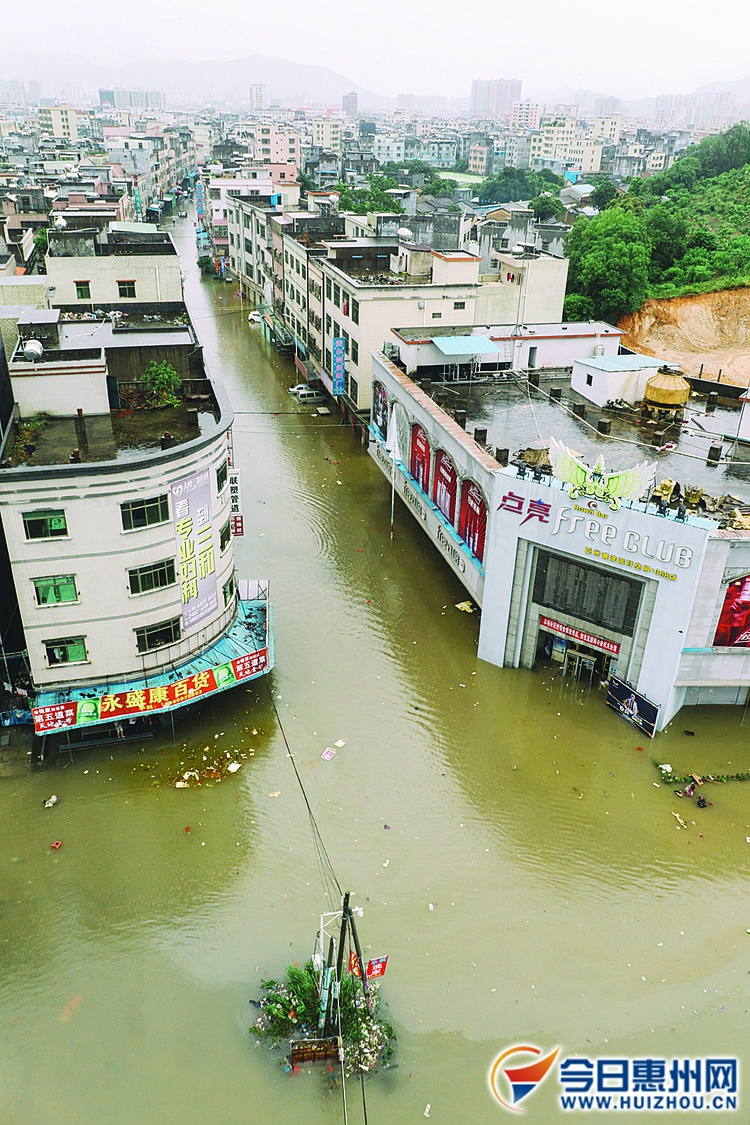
pixel 580 662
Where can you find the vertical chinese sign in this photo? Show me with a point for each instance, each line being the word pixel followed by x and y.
pixel 191 513
pixel 235 503
pixel 338 375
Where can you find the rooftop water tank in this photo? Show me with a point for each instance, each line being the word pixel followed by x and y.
pixel 667 388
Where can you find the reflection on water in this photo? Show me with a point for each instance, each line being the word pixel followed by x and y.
pixel 517 804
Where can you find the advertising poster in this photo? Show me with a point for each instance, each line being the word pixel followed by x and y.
pixel 191 514
pixel 638 710
pixel 733 630
pixel 235 503
pixel 339 365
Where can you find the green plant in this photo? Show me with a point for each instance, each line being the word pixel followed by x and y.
pixel 162 382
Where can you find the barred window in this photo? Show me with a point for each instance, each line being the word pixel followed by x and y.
pixel 155 576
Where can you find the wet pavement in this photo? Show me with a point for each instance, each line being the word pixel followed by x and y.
pixel 568 908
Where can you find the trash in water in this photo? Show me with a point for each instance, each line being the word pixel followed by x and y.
pixel 340 743
pixel 328 753
pixel 427 1110
pixel 431 905
pixel 465 607
pixel 690 732
pixel 233 767
pixel 386 863
pixel 387 826
pixel 181 785
pixel 276 794
pixel 50 804
pixel 57 845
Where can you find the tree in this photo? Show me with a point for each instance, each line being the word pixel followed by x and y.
pixel 374 198
pixel 667 231
pixel 546 207
pixel 609 259
pixel 603 194
pixel 516 183
pixel 578 307
pixel 163 383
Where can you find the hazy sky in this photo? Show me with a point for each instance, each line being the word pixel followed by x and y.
pixel 633 49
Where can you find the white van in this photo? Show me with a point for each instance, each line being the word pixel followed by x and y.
pixel 307 394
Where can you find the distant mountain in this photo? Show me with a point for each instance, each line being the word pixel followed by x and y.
pixel 212 80
pixel 740 87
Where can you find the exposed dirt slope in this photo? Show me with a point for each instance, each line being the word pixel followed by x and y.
pixel 712 329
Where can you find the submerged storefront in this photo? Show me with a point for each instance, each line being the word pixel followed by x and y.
pixel 607 587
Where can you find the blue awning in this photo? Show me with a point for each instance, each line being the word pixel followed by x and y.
pixel 465 345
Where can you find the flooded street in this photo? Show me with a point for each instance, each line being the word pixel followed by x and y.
pixel 568 908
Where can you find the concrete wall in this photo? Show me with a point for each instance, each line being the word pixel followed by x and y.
pixel 157 279
pixel 59 389
pixel 99 553
pixel 727 558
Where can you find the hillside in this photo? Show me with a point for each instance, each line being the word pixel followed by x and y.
pixel 711 330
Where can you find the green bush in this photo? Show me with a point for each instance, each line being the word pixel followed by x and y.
pixel 162 383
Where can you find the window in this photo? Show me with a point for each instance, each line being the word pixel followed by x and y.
pixel 589 380
pixel 355 311
pixel 246 221
pixel 587 593
pixel 224 536
pixel 126 288
pixel 296 264
pixel 346 342
pixel 154 636
pixel 44 525
pixel 328 359
pixel 328 325
pixel 83 290
pixel 286 257
pixel 144 513
pixel 153 577
pixel 355 352
pixel 336 329
pixel 336 296
pixel 248 246
pixel 353 390
pixel 329 288
pixel 436 316
pixel 52 591
pixel 71 650
pixel 459 304
pixel 228 590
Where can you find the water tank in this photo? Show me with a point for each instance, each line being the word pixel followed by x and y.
pixel 60 223
pixel 667 388
pixel 405 234
pixel 33 350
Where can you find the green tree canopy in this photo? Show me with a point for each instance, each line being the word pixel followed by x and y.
pixel 603 194
pixel 546 207
pixel 517 183
pixel 609 259
pixel 374 198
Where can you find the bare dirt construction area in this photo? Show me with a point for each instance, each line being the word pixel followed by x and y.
pixel 711 330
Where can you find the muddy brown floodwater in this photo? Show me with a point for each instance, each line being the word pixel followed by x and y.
pixel 568 910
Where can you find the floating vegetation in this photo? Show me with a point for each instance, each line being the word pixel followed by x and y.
pixel 670 778
pixel 290 1008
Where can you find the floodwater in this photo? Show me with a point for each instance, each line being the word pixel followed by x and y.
pixel 568 908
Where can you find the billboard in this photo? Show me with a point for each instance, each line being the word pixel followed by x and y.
pixel 638 710
pixel 339 365
pixel 235 503
pixel 141 701
pixel 191 514
pixel 733 630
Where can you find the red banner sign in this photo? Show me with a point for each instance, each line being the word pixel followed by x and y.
pixel 578 635
pixel 375 968
pixel 140 701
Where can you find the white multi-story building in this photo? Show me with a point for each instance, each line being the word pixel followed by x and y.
pixel 562 141
pixel 388 147
pixel 276 144
pixel 129 262
pixel 526 114
pixel 325 132
pixel 258 95
pixel 118 532
pixel 58 121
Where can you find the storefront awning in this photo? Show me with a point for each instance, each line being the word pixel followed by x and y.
pixel 465 345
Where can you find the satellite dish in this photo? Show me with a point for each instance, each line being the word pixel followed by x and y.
pixel 405 234
pixel 33 350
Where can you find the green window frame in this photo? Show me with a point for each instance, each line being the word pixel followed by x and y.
pixel 355 352
pixel 337 296
pixel 126 289
pixel 222 474
pixel 329 288
pixel 68 650
pixel 355 311
pixel 83 290
pixel 54 590
pixel 154 576
pixel 45 524
pixel 228 589
pixel 156 636
pixel 144 513
pixel 224 536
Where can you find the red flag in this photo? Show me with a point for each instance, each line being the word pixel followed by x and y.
pixel 377 967
pixel 354 966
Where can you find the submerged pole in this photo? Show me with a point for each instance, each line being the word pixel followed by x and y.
pixel 342 937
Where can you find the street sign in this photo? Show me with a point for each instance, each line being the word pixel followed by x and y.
pixel 339 365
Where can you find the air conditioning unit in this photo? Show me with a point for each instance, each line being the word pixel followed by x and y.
pixel 390 350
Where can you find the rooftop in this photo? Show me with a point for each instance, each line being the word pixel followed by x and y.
pixel 585 328
pixel 517 416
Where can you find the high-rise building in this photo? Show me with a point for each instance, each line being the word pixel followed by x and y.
pixel 34 92
pixel 258 95
pixel 494 97
pixel 350 104
pixel 605 107
pixel 58 121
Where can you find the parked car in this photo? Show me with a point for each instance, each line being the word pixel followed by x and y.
pixel 254 317
pixel 299 387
